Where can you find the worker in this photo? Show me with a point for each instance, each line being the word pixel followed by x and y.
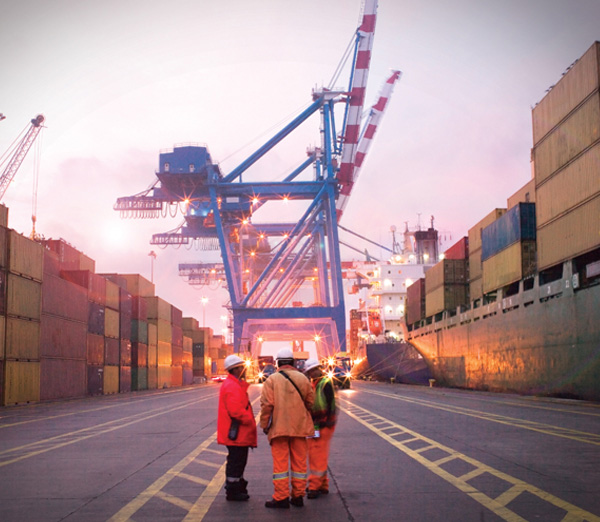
pixel 286 400
pixel 236 427
pixel 324 415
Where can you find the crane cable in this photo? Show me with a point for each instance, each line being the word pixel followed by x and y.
pixel 37 156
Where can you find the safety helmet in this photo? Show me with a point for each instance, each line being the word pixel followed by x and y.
pixel 310 364
pixel 285 353
pixel 231 361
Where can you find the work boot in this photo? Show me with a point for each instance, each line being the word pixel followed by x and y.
pixel 235 493
pixel 244 485
pixel 324 491
pixel 297 501
pixel 281 504
pixel 313 493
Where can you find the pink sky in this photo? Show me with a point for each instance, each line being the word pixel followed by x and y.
pixel 119 81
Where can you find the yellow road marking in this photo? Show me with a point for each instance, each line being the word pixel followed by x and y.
pixel 497 505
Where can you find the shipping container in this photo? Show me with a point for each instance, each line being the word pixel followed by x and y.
pixel 124 379
pixel 25 257
pixel 199 365
pixel 177 335
pixel 415 301
pixel 139 308
pixel 23 297
pixel 187 344
pixel 460 250
pixel 2 338
pixel 3 215
pixel 51 264
pixel 152 378
pixel 64 299
pixel 198 350
pixel 187 361
pixel 125 326
pixel 111 351
pixel 62 337
pixel 152 355
pixel 111 323
pixel 138 285
pixel 518 224
pixel 125 302
pixel 476 288
pixel 125 354
pixel 571 235
pixel 1 382
pixel 575 184
pixel 475 231
pixel 112 296
pixel 475 265
pixel 447 271
pixel 139 331
pixel 176 376
pixel 509 265
pixel 213 353
pixel 62 378
pixel 164 354
pixel 21 382
pixel 176 355
pixel 111 380
pixel 95 284
pixel 176 316
pixel 445 297
pixel 526 194
pixel 164 331
pixel 3 247
pixel 139 379
pixel 95 349
pixel 569 139
pixel 152 334
pixel 119 280
pixel 159 309
pixel 139 355
pixel 188 376
pixel 164 376
pixel 96 318
pixel 69 257
pixel 22 339
pixel 3 275
pixel 574 87
pixel 95 380
pixel 190 323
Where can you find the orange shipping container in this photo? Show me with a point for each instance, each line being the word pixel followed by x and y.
pixel 164 376
pixel 23 297
pixel 21 382
pixel 159 309
pixel 111 380
pixel 164 330
pixel 164 354
pixel 25 257
pixel 176 376
pixel 152 355
pixel 2 337
pixel 152 378
pixel 3 215
pixel 3 247
pixel 112 295
pixel 95 349
pixel 22 339
pixel 111 323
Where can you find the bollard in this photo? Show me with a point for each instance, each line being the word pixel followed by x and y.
pixel 431 382
pixel 392 380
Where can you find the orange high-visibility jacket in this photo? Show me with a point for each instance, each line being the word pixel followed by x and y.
pixel 282 408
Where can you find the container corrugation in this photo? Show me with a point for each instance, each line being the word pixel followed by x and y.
pixel 139 308
pixel 190 323
pixel 476 288
pixel 96 318
pixel 69 257
pixel 164 354
pixel 51 264
pixel 21 382
pixel 164 331
pixel 176 355
pixel 198 350
pixel 475 231
pixel 571 235
pixel 573 185
pixel 23 297
pixel 176 376
pixel 447 271
pixel 64 299
pixel 25 257
pixel 152 378
pixel 139 379
pixel 125 302
pixel 177 335
pixel 3 215
pixel 2 337
pixel 139 355
pixel 62 337
pixel 112 298
pixel 164 376
pixel 62 378
pixel 95 284
pixel 187 344
pixel 95 380
pixel 138 285
pixel 158 309
pixel 124 379
pixel 111 351
pixel 518 224
pixel 152 334
pixel 415 301
pixel 139 331
pixel 125 326
pixel 111 380
pixel 579 131
pixel 176 316
pixel 95 349
pixel 475 266
pixel 188 376
pixel 125 353
pixel 119 280
pixel 111 323
pixel 460 250
pixel 2 292
pixel 509 265
pixel 187 361
pixel 152 355
pixel 581 80
pixel 446 297
pixel 526 194
pixel 198 366
pixel 22 339
pixel 3 247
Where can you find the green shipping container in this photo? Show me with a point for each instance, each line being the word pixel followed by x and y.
pixel 139 379
pixel 139 331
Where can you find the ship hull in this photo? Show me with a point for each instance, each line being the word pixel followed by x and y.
pixel 397 361
pixel 546 343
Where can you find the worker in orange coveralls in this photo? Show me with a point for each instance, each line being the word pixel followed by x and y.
pixel 286 400
pixel 324 415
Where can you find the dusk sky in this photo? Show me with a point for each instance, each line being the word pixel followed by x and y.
pixel 118 81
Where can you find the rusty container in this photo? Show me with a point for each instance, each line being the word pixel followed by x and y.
pixel 111 323
pixel 446 271
pixel 111 351
pixel 3 215
pixel 62 378
pixel 111 380
pixel 95 349
pixel 25 257
pixel 22 339
pixel 446 297
pixel 139 355
pixel 21 382
pixel 63 338
pixel 139 379
pixel 23 297
pixel 125 353
pixel 124 379
pixel 64 299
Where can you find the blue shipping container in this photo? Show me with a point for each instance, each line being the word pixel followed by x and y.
pixel 517 224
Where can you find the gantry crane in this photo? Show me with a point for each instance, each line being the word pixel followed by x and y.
pixel 266 265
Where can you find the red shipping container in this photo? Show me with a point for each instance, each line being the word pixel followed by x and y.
pixel 176 316
pixel 62 378
pixel 111 351
pixel 125 326
pixel 177 335
pixel 188 376
pixel 69 257
pixel 124 379
pixel 139 355
pixel 1 382
pixel 176 355
pixel 95 380
pixel 60 337
pixel 176 376
pixel 51 264
pixel 415 301
pixel 459 250
pixel 125 302
pixel 95 349
pixel 95 284
pixel 139 308
pixel 64 299
pixel 125 354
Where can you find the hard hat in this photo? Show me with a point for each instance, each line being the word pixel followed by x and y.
pixel 231 361
pixel 285 353
pixel 310 364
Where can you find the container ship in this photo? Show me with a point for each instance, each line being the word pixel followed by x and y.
pixel 524 316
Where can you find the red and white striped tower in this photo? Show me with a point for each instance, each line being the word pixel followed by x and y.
pixel 367 139
pixel 366 31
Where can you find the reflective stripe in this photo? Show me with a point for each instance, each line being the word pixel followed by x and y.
pixel 318 473
pixel 233 479
pixel 281 476
pixel 296 475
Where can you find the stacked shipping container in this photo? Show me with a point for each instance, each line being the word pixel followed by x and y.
pixel 446 286
pixel 415 301
pixel 201 338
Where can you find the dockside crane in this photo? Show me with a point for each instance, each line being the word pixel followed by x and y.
pixel 265 265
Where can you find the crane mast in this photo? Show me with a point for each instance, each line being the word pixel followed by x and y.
pixel 19 153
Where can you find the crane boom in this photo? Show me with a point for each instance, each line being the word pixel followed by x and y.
pixel 19 153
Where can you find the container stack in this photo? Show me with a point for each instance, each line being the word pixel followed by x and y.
pixel 446 286
pixel 152 356
pixel 176 347
pixel 159 315
pixel 566 155
pixel 508 250
pixel 475 264
pixel 125 359
pixel 201 337
pixel 112 342
pixel 415 302
pixel 187 362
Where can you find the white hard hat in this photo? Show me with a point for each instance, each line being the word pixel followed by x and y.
pixel 285 353
pixel 310 364
pixel 231 361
